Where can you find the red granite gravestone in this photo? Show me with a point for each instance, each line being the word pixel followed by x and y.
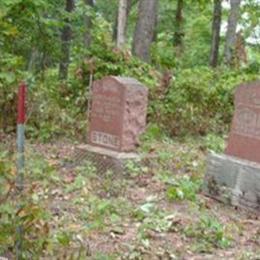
pixel 118 113
pixel 244 138
pixel 234 177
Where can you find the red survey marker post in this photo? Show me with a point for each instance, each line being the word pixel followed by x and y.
pixel 21 116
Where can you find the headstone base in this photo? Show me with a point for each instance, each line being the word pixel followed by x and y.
pixel 233 181
pixel 107 160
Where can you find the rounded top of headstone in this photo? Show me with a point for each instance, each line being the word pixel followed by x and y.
pixel 248 92
pixel 127 81
pixel 255 83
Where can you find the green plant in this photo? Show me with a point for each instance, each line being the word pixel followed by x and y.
pixel 101 256
pixel 134 167
pixel 78 184
pixel 214 143
pixel 23 210
pixel 183 188
pixel 209 233
pixel 102 213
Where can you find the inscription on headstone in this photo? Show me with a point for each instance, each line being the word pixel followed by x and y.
pixel 244 138
pixel 107 107
pixel 118 113
pixel 105 139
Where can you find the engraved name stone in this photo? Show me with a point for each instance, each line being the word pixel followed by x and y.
pixel 118 113
pixel 105 139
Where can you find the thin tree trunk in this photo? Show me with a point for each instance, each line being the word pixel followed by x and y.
pixel 178 34
pixel 231 31
pixel 33 58
pixel 66 36
pixel 215 40
pixel 145 27
pixel 121 23
pixel 88 24
pixel 240 55
pixel 128 9
pixel 4 111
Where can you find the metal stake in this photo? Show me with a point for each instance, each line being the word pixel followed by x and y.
pixel 21 115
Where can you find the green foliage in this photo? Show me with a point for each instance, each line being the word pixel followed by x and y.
pixel 162 52
pixel 7 209
pixel 10 73
pixel 214 143
pixel 153 132
pixel 134 167
pixel 29 33
pixel 210 232
pixel 102 213
pixel 200 100
pixel 183 188
pixel 26 41
pixel 197 38
pixel 152 219
pixel 78 184
pixel 101 256
pixel 23 210
pixel 64 238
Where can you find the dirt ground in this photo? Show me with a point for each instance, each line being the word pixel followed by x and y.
pixel 151 211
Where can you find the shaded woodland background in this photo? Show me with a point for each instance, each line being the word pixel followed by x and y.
pixel 176 48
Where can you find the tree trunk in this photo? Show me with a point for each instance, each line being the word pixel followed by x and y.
pixel 121 23
pixel 215 40
pixel 240 55
pixel 88 24
pixel 145 28
pixel 178 34
pixel 231 31
pixel 128 9
pixel 66 36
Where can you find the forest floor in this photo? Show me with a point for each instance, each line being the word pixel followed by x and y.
pixel 153 211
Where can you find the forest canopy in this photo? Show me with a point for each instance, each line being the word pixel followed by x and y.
pixel 191 54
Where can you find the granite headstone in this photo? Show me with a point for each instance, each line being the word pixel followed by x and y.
pixel 118 113
pixel 244 138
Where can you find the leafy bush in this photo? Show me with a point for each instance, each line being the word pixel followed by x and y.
pixel 200 100
pixel 10 73
pixel 24 210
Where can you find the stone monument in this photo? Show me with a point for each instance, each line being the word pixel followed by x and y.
pixel 235 176
pixel 117 118
pixel 244 139
pixel 118 113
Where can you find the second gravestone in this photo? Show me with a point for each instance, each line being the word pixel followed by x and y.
pixel 235 176
pixel 117 118
pixel 244 139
